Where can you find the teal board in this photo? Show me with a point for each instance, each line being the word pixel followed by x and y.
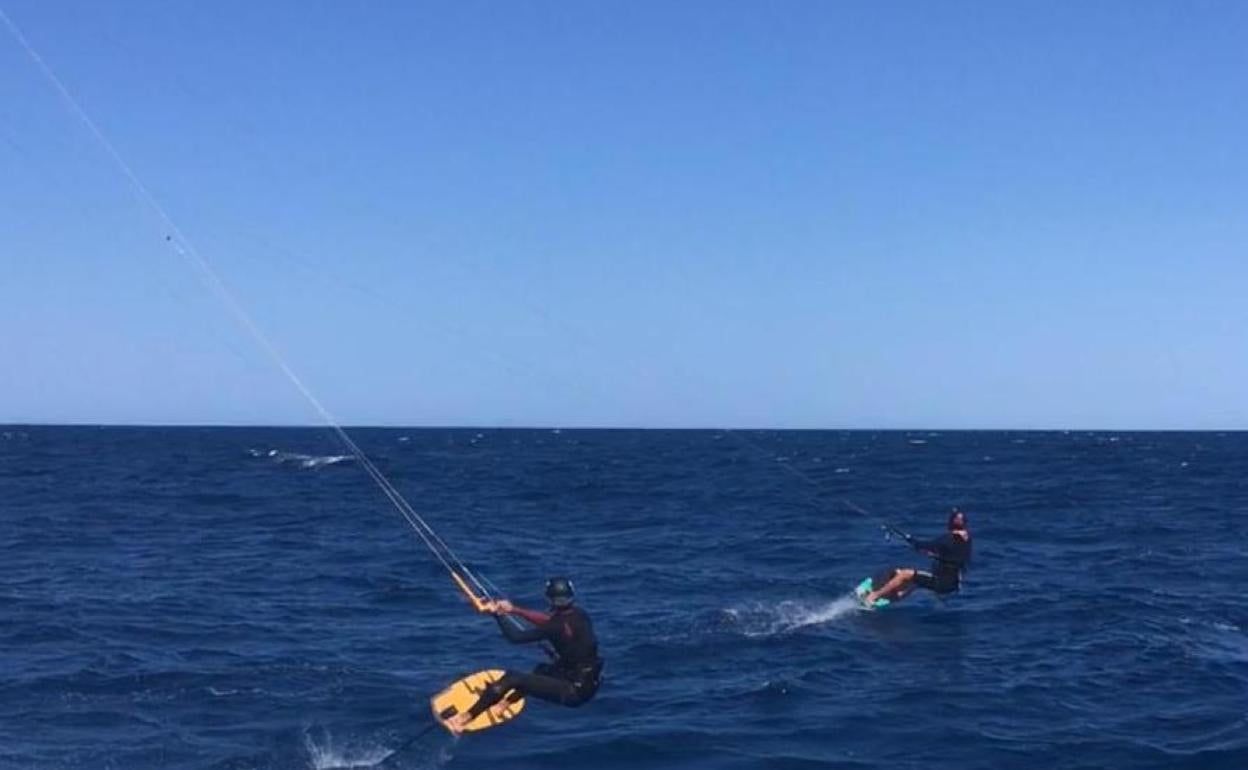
pixel 864 588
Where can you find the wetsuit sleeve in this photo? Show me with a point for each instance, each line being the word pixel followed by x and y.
pixel 929 547
pixel 517 635
pixel 947 549
pixel 533 616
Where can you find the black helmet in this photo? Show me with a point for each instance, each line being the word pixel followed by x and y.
pixel 560 592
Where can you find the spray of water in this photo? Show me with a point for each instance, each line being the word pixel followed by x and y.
pixel 758 619
pixel 325 752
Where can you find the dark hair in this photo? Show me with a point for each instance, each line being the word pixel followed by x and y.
pixel 956 514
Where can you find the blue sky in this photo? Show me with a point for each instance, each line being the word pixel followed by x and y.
pixel 801 214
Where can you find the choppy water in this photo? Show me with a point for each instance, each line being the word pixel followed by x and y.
pixel 244 598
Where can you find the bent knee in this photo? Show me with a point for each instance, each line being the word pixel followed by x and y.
pixel 908 574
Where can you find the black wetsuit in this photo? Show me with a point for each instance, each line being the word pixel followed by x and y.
pixel 950 555
pixel 571 678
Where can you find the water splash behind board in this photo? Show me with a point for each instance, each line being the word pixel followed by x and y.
pixel 770 618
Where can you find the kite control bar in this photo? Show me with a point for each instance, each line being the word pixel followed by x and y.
pixel 890 529
pixel 477 602
pixel 482 605
pixel 884 525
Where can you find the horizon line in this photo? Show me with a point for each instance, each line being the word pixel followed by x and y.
pixel 553 427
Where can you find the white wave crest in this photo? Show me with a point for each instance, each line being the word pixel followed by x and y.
pixel 300 460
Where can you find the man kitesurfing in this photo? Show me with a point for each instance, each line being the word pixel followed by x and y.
pixel 570 679
pixel 951 554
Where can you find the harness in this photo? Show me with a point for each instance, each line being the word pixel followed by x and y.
pixel 582 674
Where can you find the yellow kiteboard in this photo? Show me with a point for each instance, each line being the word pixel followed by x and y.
pixel 461 696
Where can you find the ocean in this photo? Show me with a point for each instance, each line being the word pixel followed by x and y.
pixel 245 598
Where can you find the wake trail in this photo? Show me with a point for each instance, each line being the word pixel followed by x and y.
pixel 759 619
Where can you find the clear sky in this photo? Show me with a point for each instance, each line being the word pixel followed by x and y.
pixel 790 214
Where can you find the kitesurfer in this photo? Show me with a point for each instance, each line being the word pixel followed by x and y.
pixel 571 678
pixel 951 553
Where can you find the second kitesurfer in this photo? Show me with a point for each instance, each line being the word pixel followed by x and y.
pixel 571 678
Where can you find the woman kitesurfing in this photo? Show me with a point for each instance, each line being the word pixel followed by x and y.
pixel 950 553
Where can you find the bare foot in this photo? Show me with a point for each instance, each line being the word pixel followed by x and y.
pixel 457 723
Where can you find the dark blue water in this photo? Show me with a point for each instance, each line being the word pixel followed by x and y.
pixel 237 598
